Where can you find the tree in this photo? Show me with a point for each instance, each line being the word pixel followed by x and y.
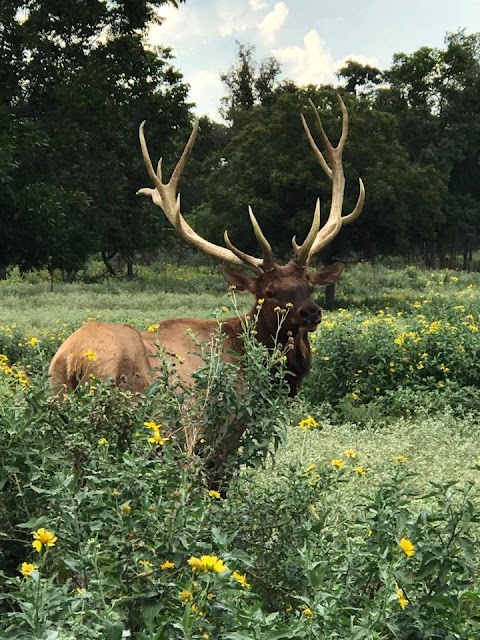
pixel 248 84
pixel 81 92
pixel 360 78
pixel 434 94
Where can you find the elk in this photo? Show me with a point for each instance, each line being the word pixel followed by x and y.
pixel 125 354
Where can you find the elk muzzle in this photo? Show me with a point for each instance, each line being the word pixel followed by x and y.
pixel 311 315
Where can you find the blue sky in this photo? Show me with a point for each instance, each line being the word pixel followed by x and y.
pixel 310 38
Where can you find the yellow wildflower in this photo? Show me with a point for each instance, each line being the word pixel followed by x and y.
pixel 214 494
pixel 27 569
pixel 400 459
pixel 307 423
pixel 402 600
pixel 151 425
pixel 157 438
pixel 91 355
pixel 185 595
pixel 242 579
pixel 338 463
pixel 167 565
pixel 145 563
pixel 310 468
pixel 225 309
pixel 126 509
pixel 153 327
pixel 116 493
pixel 308 612
pixel 33 342
pixel 407 547
pixel 360 470
pixel 102 442
pixel 207 563
pixel 350 453
pixel 43 537
pixel 326 357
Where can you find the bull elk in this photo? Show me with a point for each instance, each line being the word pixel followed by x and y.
pixel 122 353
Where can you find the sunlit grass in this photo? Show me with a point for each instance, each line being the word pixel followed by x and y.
pixel 34 306
pixel 437 448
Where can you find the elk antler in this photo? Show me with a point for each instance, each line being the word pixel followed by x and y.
pixel 317 238
pixel 165 196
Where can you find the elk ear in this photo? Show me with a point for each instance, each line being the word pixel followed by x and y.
pixel 239 280
pixel 327 275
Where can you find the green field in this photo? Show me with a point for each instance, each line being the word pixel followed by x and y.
pixel 395 379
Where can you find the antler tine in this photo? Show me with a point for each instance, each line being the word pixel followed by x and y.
pixel 177 172
pixel 244 257
pixel 301 252
pixel 268 262
pixel 165 196
pixel 334 170
pixel 343 137
pixel 316 150
pixel 351 217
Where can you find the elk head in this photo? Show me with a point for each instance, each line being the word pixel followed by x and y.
pixel 287 286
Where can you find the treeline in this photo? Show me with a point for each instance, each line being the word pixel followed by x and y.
pixel 77 79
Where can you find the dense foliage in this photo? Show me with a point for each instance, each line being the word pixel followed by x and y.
pixel 110 528
pixel 77 83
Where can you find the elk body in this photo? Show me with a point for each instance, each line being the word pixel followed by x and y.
pixel 124 354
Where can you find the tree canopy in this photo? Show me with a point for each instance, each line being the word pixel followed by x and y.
pixel 77 80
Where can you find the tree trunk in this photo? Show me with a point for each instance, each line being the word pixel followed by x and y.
pixel 442 257
pixel 429 257
pixel 130 267
pixel 106 257
pixel 330 296
pixel 467 253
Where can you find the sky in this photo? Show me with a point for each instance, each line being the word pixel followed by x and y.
pixel 310 38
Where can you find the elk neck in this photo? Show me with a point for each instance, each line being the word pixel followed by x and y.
pixel 299 355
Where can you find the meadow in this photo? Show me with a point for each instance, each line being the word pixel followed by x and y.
pixel 355 513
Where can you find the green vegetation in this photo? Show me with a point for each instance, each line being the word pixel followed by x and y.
pixel 83 80
pixel 365 527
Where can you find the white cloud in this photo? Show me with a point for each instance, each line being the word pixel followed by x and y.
pixel 234 17
pixel 183 26
pixel 314 63
pixel 272 23
pixel 258 5
pixel 206 89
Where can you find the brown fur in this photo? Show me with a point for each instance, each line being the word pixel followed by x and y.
pixel 126 356
pixel 121 357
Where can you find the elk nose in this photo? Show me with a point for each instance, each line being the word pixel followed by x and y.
pixel 311 314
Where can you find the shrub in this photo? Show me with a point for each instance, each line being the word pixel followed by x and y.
pixel 363 358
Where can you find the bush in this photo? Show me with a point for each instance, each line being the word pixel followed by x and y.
pixel 364 358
